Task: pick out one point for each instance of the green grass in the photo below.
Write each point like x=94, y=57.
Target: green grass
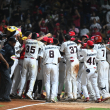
x=98, y=109
x=1, y=105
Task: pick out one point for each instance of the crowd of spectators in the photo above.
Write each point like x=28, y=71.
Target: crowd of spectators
x=84, y=17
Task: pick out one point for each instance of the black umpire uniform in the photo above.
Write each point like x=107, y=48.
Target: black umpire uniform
x=8, y=53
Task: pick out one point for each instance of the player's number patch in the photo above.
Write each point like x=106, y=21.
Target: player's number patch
x=91, y=61
x=73, y=49
x=51, y=54
x=30, y=49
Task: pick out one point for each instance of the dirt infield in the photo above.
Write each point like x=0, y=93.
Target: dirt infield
x=26, y=104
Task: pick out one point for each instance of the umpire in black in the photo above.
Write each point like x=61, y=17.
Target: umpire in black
x=7, y=55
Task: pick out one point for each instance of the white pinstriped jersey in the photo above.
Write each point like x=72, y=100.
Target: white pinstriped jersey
x=89, y=57
x=32, y=47
x=101, y=51
x=50, y=54
x=70, y=49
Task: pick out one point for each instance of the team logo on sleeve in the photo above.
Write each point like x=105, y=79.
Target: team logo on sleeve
x=13, y=57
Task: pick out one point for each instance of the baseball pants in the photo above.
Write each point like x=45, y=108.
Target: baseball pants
x=17, y=77
x=81, y=69
x=51, y=80
x=72, y=69
x=92, y=76
x=13, y=67
x=103, y=72
x=30, y=64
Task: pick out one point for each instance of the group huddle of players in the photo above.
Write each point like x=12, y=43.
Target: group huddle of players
x=79, y=66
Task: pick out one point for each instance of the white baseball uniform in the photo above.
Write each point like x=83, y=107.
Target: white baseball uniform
x=29, y=64
x=108, y=60
x=81, y=69
x=103, y=67
x=17, y=47
x=50, y=56
x=89, y=73
x=72, y=67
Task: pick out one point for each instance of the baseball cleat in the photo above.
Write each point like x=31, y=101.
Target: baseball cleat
x=87, y=99
x=58, y=97
x=53, y=100
x=18, y=97
x=98, y=100
x=69, y=99
x=13, y=96
x=29, y=96
x=106, y=97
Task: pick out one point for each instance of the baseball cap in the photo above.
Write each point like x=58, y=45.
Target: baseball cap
x=50, y=40
x=3, y=21
x=79, y=41
x=43, y=21
x=37, y=34
x=84, y=45
x=45, y=39
x=12, y=39
x=72, y=39
x=57, y=24
x=64, y=31
x=85, y=36
x=108, y=32
x=72, y=33
x=90, y=43
x=92, y=38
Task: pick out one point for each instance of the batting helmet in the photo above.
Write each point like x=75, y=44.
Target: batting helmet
x=97, y=39
x=72, y=33
x=84, y=45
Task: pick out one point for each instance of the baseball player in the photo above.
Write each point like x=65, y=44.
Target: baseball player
x=18, y=70
x=17, y=55
x=108, y=59
x=90, y=67
x=40, y=74
x=51, y=57
x=103, y=67
x=29, y=64
x=72, y=67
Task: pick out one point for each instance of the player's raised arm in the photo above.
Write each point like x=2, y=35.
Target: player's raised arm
x=47, y=35
x=107, y=48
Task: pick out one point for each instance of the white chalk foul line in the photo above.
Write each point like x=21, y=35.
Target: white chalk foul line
x=26, y=106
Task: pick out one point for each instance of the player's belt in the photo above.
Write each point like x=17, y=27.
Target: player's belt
x=102, y=60
x=81, y=62
x=29, y=57
x=51, y=63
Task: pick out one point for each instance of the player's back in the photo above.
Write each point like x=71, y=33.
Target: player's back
x=89, y=58
x=108, y=53
x=70, y=49
x=101, y=51
x=31, y=48
x=51, y=54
